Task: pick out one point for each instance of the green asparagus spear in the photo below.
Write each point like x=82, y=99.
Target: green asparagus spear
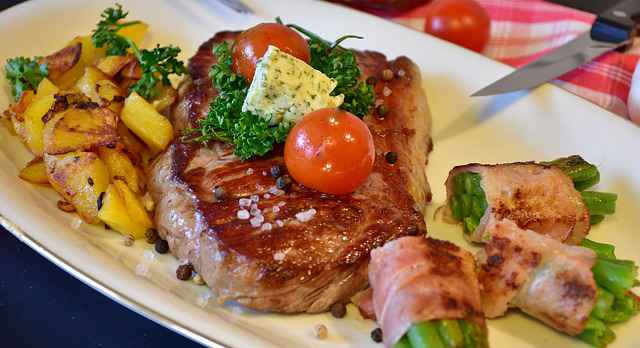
x=604, y=301
x=596, y=333
x=425, y=335
x=603, y=250
x=450, y=333
x=600, y=203
x=595, y=219
x=617, y=276
x=474, y=335
x=582, y=173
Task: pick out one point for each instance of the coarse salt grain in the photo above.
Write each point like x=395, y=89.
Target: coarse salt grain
x=279, y=256
x=275, y=209
x=279, y=223
x=255, y=211
x=264, y=173
x=142, y=269
x=266, y=227
x=386, y=91
x=256, y=221
x=401, y=72
x=243, y=214
x=255, y=198
x=76, y=223
x=281, y=204
x=203, y=299
x=244, y=202
x=266, y=196
x=250, y=171
x=149, y=255
x=305, y=216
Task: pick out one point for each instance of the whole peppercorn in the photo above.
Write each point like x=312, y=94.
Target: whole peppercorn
x=338, y=310
x=184, y=272
x=391, y=157
x=376, y=335
x=219, y=193
x=151, y=235
x=276, y=170
x=283, y=183
x=162, y=247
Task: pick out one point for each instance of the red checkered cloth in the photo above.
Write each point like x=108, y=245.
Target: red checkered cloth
x=523, y=30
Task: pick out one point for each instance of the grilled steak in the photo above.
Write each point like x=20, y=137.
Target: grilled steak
x=301, y=250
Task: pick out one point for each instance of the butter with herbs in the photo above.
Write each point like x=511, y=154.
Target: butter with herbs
x=285, y=88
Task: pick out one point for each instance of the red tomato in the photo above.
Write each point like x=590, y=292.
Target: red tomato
x=330, y=150
x=463, y=22
x=252, y=43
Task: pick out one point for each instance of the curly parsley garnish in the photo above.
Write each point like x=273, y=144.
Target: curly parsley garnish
x=156, y=64
x=106, y=33
x=251, y=134
x=24, y=74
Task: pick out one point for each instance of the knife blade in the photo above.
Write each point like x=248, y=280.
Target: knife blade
x=612, y=29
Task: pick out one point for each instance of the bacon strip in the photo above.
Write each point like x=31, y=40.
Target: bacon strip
x=417, y=279
x=546, y=279
x=534, y=196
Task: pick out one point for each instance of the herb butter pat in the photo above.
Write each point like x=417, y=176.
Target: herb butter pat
x=285, y=88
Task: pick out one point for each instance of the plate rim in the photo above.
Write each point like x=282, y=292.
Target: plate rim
x=108, y=291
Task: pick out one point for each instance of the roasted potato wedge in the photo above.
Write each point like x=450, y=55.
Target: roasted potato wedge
x=111, y=95
x=33, y=123
x=132, y=70
x=111, y=65
x=135, y=32
x=80, y=178
x=121, y=167
x=80, y=129
x=132, y=145
x=15, y=113
x=88, y=55
x=35, y=172
x=135, y=208
x=145, y=122
x=88, y=83
x=113, y=212
x=63, y=60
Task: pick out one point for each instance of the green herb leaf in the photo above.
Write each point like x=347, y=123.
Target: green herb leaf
x=24, y=74
x=251, y=134
x=106, y=33
x=156, y=65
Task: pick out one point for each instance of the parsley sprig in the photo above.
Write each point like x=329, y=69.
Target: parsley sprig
x=106, y=33
x=156, y=64
x=251, y=134
x=24, y=74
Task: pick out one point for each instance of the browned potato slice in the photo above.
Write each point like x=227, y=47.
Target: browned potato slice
x=80, y=178
x=62, y=61
x=80, y=129
x=132, y=145
x=135, y=208
x=132, y=70
x=134, y=32
x=33, y=116
x=88, y=83
x=120, y=167
x=88, y=54
x=111, y=95
x=35, y=172
x=111, y=65
x=114, y=213
x=16, y=113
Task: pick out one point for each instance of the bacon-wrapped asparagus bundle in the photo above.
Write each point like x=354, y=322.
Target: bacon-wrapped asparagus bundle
x=576, y=290
x=426, y=295
x=541, y=197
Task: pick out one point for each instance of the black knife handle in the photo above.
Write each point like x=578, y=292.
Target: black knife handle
x=617, y=23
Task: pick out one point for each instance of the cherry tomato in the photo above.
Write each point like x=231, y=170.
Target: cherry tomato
x=252, y=43
x=463, y=22
x=330, y=150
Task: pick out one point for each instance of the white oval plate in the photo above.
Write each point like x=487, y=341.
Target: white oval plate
x=523, y=126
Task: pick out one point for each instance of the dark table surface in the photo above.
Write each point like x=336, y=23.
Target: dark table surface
x=42, y=306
